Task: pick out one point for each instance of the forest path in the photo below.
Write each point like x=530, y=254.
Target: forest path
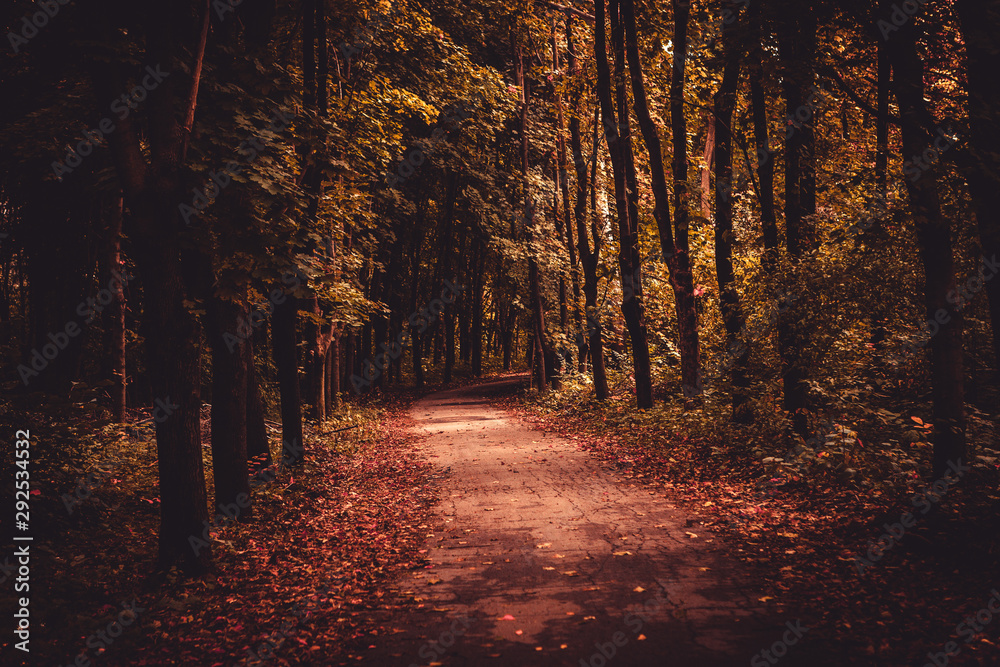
x=530, y=526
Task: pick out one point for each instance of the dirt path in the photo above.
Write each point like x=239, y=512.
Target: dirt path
x=592, y=569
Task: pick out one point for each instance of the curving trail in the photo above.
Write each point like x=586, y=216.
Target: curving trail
x=531, y=526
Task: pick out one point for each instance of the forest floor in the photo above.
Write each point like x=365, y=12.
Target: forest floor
x=480, y=526
x=809, y=535
x=292, y=586
x=541, y=556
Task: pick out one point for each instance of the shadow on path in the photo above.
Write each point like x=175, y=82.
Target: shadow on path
x=594, y=570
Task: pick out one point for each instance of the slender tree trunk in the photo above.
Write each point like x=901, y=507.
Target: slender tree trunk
x=229, y=405
x=592, y=341
x=980, y=25
x=113, y=317
x=578, y=314
x=477, y=309
x=286, y=360
x=316, y=376
x=590, y=272
x=537, y=306
x=673, y=248
x=350, y=358
x=258, y=448
x=619, y=145
x=334, y=377
x=934, y=237
x=797, y=50
x=507, y=336
x=765, y=163
x=706, y=170
x=729, y=300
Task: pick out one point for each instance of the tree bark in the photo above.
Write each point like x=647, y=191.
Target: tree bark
x=620, y=147
x=934, y=237
x=173, y=353
x=258, y=447
x=537, y=306
x=765, y=163
x=980, y=23
x=229, y=404
x=286, y=359
x=592, y=340
x=797, y=51
x=113, y=318
x=729, y=300
x=674, y=248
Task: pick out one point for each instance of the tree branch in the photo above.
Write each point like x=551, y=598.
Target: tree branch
x=569, y=10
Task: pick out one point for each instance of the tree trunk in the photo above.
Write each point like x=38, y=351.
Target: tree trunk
x=258, y=447
x=333, y=384
x=284, y=339
x=980, y=23
x=619, y=145
x=113, y=318
x=537, y=306
x=152, y=188
x=479, y=267
x=229, y=404
x=673, y=248
x=729, y=300
x=578, y=314
x=934, y=237
x=765, y=163
x=706, y=170
x=797, y=50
